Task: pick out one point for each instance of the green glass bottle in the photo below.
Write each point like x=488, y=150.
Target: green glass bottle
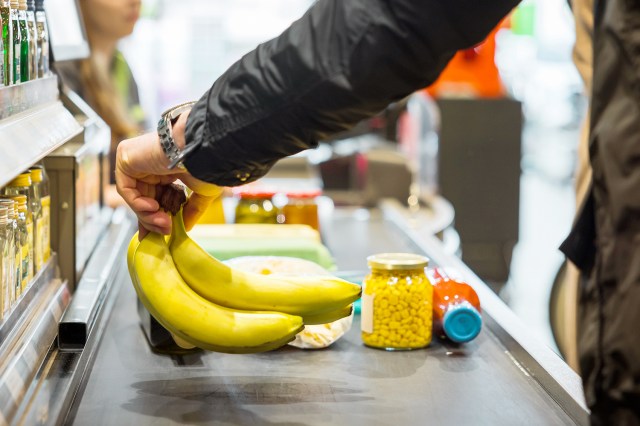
x=33, y=39
x=1, y=58
x=24, y=40
x=15, y=27
x=7, y=37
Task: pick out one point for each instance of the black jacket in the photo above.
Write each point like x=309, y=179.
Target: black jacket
x=343, y=61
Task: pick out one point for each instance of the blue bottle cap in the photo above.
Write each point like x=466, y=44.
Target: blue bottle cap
x=462, y=322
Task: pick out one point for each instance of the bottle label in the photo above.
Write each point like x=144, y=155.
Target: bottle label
x=366, y=313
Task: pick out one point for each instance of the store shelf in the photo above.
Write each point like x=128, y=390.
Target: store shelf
x=27, y=333
x=21, y=311
x=25, y=96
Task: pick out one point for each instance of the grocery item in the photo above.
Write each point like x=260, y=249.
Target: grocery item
x=221, y=284
x=396, y=310
x=193, y=319
x=15, y=271
x=35, y=206
x=301, y=208
x=456, y=308
x=256, y=206
x=320, y=331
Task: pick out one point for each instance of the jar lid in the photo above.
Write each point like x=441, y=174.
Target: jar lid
x=307, y=193
x=395, y=261
x=255, y=193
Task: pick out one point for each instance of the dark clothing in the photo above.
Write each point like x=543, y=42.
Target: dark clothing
x=609, y=307
x=343, y=61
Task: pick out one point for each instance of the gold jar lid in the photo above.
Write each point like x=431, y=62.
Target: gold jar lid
x=397, y=261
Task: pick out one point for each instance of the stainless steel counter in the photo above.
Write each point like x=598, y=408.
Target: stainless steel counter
x=483, y=382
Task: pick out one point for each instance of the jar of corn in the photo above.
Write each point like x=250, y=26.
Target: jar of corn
x=396, y=302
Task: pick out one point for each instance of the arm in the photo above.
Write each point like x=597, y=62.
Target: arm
x=343, y=61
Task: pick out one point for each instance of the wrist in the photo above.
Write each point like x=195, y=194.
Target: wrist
x=179, y=130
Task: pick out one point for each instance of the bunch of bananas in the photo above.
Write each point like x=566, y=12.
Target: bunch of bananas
x=207, y=304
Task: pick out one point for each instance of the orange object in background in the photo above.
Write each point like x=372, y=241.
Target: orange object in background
x=301, y=208
x=472, y=73
x=456, y=308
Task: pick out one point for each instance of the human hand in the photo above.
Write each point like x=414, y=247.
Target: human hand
x=141, y=171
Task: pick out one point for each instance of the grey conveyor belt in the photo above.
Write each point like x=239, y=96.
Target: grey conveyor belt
x=475, y=384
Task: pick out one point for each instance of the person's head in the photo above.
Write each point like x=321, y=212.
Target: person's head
x=107, y=21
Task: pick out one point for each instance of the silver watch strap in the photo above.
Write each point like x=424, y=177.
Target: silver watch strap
x=165, y=135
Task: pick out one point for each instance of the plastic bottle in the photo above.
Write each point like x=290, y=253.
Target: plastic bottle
x=456, y=308
x=25, y=230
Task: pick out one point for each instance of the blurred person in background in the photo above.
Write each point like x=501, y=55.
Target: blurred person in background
x=344, y=61
x=104, y=79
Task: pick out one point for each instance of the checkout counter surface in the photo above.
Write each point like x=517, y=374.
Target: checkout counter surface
x=478, y=383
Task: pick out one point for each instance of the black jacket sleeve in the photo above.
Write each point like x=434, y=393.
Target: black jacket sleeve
x=343, y=61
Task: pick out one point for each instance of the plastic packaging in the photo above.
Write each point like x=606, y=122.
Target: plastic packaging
x=456, y=308
x=396, y=311
x=315, y=336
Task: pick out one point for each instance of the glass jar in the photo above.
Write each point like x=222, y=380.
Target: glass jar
x=16, y=256
x=396, y=311
x=256, y=207
x=301, y=208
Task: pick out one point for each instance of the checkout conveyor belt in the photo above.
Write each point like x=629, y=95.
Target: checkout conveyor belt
x=498, y=379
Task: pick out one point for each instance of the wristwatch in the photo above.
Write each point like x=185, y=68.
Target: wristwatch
x=165, y=133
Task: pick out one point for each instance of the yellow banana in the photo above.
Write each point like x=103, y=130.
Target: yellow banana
x=328, y=317
x=193, y=319
x=226, y=286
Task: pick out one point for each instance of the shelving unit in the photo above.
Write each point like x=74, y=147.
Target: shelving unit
x=33, y=123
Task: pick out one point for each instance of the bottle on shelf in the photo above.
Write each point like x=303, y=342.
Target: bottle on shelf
x=15, y=271
x=33, y=38
x=24, y=41
x=17, y=41
x=456, y=308
x=45, y=202
x=1, y=53
x=7, y=42
x=42, y=41
x=35, y=206
x=25, y=231
x=6, y=248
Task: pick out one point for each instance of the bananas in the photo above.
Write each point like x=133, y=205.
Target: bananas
x=204, y=303
x=193, y=319
x=307, y=296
